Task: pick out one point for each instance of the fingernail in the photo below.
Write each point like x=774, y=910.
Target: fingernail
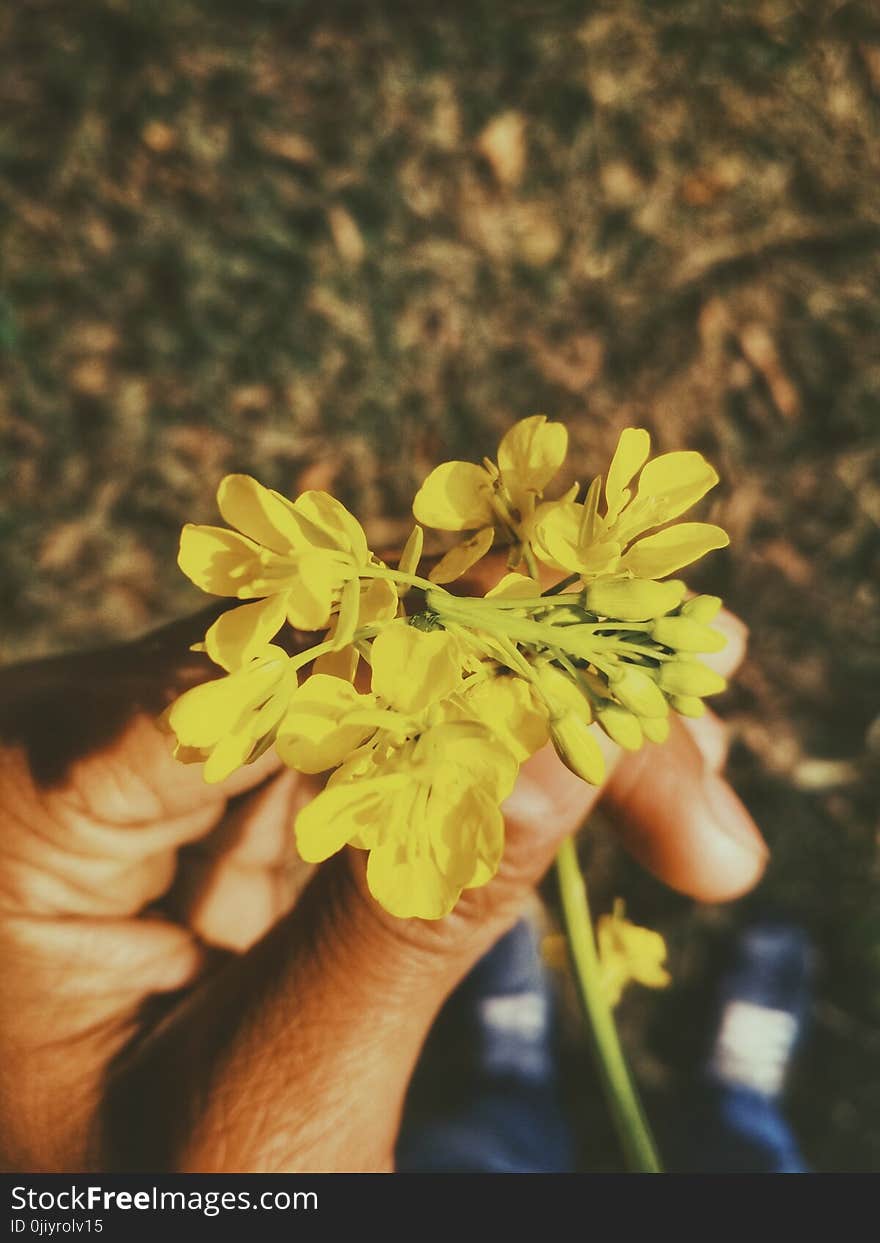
x=731, y=816
x=731, y=624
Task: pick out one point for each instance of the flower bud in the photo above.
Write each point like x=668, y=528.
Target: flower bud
x=688, y=705
x=655, y=728
x=702, y=608
x=577, y=747
x=562, y=694
x=684, y=634
x=621, y=726
x=633, y=599
x=690, y=677
x=637, y=691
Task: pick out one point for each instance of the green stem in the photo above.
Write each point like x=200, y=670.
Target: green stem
x=623, y=1101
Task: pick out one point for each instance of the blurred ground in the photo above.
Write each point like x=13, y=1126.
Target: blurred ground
x=330, y=250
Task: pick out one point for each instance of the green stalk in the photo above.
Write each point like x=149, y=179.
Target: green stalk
x=622, y=1097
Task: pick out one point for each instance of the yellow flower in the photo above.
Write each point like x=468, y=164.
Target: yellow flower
x=639, y=497
x=233, y=720
x=328, y=720
x=629, y=954
x=324, y=724
x=292, y=558
x=428, y=814
x=424, y=760
x=460, y=496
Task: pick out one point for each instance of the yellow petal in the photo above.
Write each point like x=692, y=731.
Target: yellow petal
x=630, y=456
x=200, y=717
x=508, y=707
x=328, y=524
x=340, y=664
x=513, y=585
x=229, y=754
x=465, y=753
x=378, y=602
x=219, y=561
x=667, y=487
x=259, y=513
x=312, y=586
x=677, y=481
x=412, y=669
x=340, y=813
x=460, y=558
x=241, y=633
x=467, y=836
x=409, y=885
x=530, y=455
x=455, y=497
x=412, y=553
x=556, y=535
x=660, y=554
x=314, y=734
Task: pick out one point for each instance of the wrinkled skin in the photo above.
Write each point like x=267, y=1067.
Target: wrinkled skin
x=174, y=995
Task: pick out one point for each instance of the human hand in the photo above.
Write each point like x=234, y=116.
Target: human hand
x=174, y=995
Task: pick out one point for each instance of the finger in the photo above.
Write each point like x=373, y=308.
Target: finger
x=235, y=884
x=711, y=737
x=728, y=660
x=683, y=822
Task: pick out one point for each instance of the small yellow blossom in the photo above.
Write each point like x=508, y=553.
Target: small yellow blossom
x=639, y=496
x=460, y=496
x=428, y=814
x=292, y=558
x=629, y=954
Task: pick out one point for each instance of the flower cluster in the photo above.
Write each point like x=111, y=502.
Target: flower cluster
x=458, y=690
